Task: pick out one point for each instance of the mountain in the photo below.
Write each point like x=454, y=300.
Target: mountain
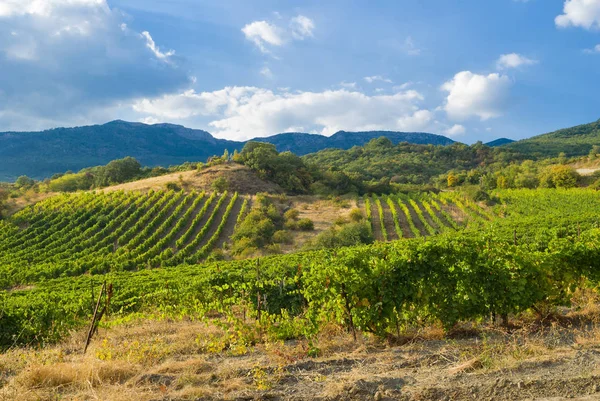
x=499, y=142
x=575, y=141
x=42, y=154
x=303, y=144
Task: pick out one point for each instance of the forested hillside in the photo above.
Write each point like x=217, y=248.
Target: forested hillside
x=575, y=141
x=42, y=154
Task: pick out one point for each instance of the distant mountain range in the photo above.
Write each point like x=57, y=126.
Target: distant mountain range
x=42, y=154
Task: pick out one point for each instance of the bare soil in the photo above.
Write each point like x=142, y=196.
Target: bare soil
x=377, y=233
x=388, y=221
x=168, y=360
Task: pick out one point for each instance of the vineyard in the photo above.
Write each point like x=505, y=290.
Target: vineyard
x=394, y=217
x=453, y=260
x=70, y=235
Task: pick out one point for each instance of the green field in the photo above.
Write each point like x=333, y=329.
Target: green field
x=466, y=261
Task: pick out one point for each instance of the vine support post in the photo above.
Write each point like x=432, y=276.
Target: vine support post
x=94, y=318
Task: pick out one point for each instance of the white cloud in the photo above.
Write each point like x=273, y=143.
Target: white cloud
x=376, y=78
x=580, y=13
x=66, y=61
x=265, y=34
x=593, y=50
x=261, y=33
x=476, y=95
x=246, y=112
x=155, y=49
x=513, y=60
x=302, y=27
x=455, y=130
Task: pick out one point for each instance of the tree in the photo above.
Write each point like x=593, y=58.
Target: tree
x=559, y=176
x=594, y=152
x=118, y=171
x=24, y=182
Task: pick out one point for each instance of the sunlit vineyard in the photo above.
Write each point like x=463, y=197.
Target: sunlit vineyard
x=420, y=215
x=69, y=235
x=449, y=258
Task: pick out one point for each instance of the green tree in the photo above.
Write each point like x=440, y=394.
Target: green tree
x=24, y=182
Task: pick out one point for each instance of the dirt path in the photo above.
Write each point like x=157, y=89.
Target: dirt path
x=388, y=221
x=416, y=220
x=377, y=233
x=428, y=218
x=230, y=224
x=403, y=221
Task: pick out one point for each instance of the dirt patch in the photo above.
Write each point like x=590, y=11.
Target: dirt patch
x=323, y=214
x=377, y=232
x=388, y=222
x=168, y=360
x=240, y=179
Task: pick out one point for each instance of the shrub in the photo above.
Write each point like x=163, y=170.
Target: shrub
x=291, y=214
x=220, y=184
x=172, y=186
x=283, y=237
x=356, y=215
x=306, y=225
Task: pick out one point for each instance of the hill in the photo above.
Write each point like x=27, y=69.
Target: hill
x=381, y=160
x=499, y=142
x=303, y=144
x=41, y=154
x=575, y=141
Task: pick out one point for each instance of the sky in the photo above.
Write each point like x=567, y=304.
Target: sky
x=472, y=70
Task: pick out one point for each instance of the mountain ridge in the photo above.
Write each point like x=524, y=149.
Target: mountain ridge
x=41, y=154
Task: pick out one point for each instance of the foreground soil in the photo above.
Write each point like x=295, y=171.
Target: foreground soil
x=172, y=360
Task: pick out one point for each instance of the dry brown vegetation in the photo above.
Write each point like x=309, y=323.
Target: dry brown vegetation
x=240, y=178
x=538, y=359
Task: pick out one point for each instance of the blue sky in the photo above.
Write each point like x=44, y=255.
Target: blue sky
x=469, y=69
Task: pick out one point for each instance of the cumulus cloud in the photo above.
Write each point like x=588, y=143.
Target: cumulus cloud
x=476, y=95
x=302, y=27
x=513, y=60
x=246, y=112
x=262, y=33
x=580, y=13
x=455, y=130
x=65, y=62
x=265, y=34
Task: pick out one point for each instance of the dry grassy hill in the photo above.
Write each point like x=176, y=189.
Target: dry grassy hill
x=240, y=178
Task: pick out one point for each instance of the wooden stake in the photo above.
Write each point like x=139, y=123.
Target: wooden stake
x=93, y=324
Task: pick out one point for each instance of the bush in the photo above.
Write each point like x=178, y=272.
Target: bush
x=172, y=186
x=283, y=237
x=348, y=235
x=220, y=184
x=356, y=215
x=306, y=225
x=291, y=214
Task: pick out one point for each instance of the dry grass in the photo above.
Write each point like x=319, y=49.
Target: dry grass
x=323, y=214
x=240, y=178
x=155, y=360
